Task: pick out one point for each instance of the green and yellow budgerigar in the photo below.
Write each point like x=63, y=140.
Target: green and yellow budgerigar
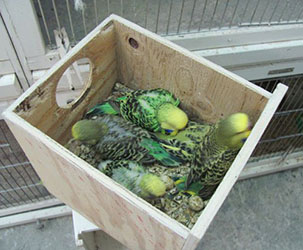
x=155, y=110
x=134, y=177
x=193, y=189
x=184, y=144
x=217, y=151
x=117, y=139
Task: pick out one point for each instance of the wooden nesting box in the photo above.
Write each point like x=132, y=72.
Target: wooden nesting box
x=122, y=51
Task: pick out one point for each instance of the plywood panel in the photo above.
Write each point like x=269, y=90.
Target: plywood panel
x=40, y=107
x=132, y=221
x=203, y=89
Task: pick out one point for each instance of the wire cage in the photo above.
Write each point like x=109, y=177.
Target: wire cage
x=165, y=17
x=19, y=184
x=284, y=134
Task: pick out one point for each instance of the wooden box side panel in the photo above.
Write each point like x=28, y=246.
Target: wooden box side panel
x=148, y=63
x=40, y=108
x=233, y=173
x=94, y=195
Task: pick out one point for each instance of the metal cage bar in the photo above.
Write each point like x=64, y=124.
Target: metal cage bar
x=286, y=128
x=44, y=22
x=264, y=11
x=56, y=15
x=70, y=21
x=213, y=15
x=223, y=15
x=180, y=17
x=169, y=16
x=254, y=12
x=202, y=16
x=274, y=11
x=19, y=183
x=158, y=14
x=191, y=16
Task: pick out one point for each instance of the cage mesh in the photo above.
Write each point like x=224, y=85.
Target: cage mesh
x=19, y=183
x=165, y=17
x=284, y=134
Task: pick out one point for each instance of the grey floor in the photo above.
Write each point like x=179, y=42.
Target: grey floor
x=260, y=213
x=56, y=234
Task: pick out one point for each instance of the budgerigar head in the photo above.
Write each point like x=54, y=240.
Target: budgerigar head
x=234, y=130
x=171, y=118
x=151, y=186
x=88, y=131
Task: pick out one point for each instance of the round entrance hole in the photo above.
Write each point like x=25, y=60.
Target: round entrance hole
x=73, y=83
x=133, y=43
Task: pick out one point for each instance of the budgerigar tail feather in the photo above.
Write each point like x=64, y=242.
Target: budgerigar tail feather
x=207, y=191
x=147, y=160
x=107, y=108
x=193, y=189
x=189, y=179
x=101, y=109
x=155, y=150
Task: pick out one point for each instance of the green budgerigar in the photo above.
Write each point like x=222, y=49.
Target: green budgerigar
x=117, y=139
x=193, y=189
x=184, y=144
x=134, y=177
x=155, y=110
x=217, y=151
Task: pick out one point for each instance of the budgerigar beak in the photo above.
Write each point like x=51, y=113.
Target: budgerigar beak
x=174, y=132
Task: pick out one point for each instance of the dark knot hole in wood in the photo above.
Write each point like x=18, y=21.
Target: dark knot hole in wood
x=133, y=43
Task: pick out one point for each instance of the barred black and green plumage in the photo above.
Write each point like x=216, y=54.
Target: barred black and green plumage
x=217, y=151
x=193, y=189
x=117, y=139
x=155, y=110
x=184, y=144
x=134, y=177
x=111, y=107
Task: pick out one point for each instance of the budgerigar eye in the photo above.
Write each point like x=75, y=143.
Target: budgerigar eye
x=168, y=131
